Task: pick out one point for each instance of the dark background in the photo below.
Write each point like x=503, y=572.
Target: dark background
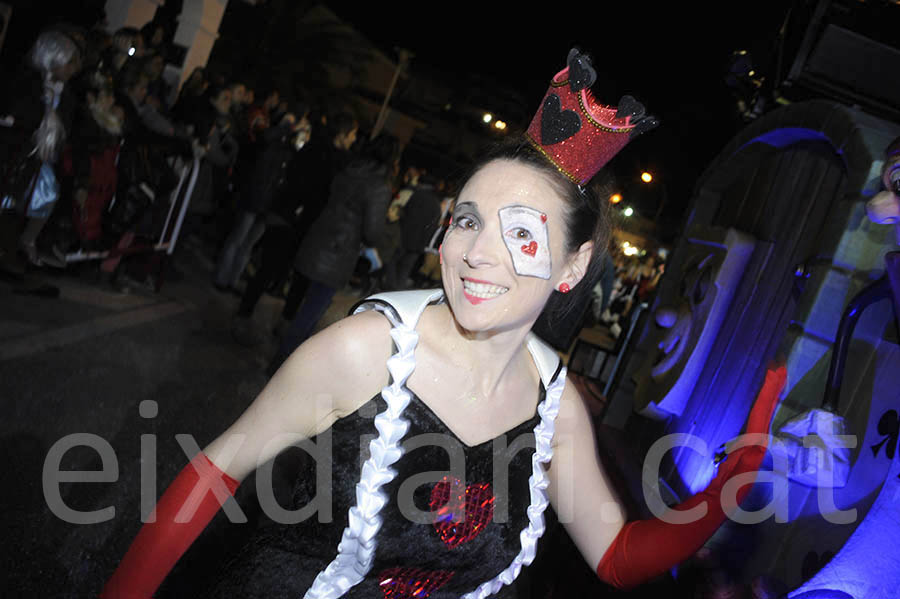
x=677, y=58
x=674, y=57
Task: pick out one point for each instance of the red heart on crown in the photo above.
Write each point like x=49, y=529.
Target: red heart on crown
x=461, y=514
x=543, y=218
x=530, y=248
x=411, y=583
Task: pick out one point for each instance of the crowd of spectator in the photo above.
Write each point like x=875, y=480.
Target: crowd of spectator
x=626, y=281
x=290, y=198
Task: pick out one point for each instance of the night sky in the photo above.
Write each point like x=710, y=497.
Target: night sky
x=671, y=56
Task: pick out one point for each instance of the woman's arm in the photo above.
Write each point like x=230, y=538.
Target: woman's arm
x=328, y=377
x=627, y=554
x=580, y=491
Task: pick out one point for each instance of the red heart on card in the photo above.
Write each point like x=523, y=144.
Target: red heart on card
x=461, y=514
x=411, y=583
x=530, y=248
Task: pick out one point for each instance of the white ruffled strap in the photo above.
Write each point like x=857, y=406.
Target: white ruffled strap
x=538, y=482
x=356, y=551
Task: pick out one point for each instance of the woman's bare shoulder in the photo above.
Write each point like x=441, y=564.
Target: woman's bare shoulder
x=574, y=415
x=345, y=361
x=328, y=377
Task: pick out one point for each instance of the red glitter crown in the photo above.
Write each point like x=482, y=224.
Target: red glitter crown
x=574, y=131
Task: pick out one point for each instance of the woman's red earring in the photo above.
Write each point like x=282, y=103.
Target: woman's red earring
x=564, y=288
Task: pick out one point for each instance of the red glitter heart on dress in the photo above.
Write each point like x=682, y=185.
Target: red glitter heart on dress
x=411, y=583
x=530, y=249
x=461, y=514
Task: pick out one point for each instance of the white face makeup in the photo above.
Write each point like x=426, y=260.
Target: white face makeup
x=497, y=269
x=525, y=234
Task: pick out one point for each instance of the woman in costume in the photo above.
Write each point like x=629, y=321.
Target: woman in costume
x=41, y=108
x=473, y=431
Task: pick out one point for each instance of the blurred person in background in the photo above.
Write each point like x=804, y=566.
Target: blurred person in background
x=268, y=177
x=40, y=107
x=298, y=205
x=352, y=218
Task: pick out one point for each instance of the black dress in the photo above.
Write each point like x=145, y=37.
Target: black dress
x=429, y=556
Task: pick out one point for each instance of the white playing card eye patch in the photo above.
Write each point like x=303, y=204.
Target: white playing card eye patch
x=526, y=237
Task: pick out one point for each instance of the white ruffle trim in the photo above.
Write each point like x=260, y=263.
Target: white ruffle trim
x=357, y=547
x=538, y=482
x=356, y=550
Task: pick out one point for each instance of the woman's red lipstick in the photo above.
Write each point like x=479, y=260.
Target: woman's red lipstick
x=472, y=299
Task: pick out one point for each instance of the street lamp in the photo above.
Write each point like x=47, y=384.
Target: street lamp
x=628, y=211
x=500, y=125
x=615, y=198
x=488, y=117
x=646, y=177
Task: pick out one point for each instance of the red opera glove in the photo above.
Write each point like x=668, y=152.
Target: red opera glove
x=645, y=549
x=181, y=514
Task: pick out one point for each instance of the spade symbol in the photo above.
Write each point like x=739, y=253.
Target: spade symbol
x=889, y=426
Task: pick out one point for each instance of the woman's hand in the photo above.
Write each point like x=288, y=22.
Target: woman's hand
x=644, y=549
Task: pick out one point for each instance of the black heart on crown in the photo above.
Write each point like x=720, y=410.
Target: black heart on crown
x=581, y=72
x=556, y=124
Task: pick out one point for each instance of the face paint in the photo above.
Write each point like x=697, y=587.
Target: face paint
x=525, y=234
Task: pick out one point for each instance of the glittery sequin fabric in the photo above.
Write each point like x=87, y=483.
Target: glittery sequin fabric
x=461, y=512
x=411, y=583
x=577, y=133
x=282, y=560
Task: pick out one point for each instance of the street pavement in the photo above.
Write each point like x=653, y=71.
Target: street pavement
x=77, y=367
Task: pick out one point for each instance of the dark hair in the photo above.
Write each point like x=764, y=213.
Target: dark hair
x=587, y=217
x=342, y=123
x=301, y=109
x=149, y=30
x=214, y=91
x=264, y=90
x=131, y=75
x=384, y=149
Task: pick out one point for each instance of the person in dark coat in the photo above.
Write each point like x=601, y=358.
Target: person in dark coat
x=421, y=218
x=299, y=203
x=267, y=177
x=314, y=170
x=352, y=218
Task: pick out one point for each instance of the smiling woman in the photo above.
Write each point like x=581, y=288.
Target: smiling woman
x=476, y=432
x=509, y=241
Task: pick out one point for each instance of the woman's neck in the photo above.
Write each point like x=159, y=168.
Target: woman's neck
x=488, y=357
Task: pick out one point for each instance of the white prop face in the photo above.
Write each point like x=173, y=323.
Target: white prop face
x=689, y=323
x=884, y=207
x=525, y=234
